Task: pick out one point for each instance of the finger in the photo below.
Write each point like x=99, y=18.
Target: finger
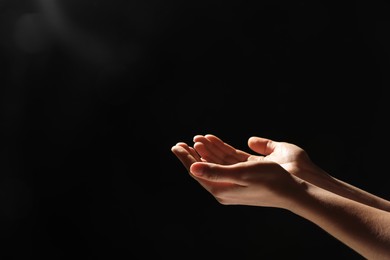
x=230, y=152
x=208, y=150
x=190, y=150
x=214, y=150
x=219, y=173
x=214, y=187
x=208, y=153
x=262, y=145
x=184, y=155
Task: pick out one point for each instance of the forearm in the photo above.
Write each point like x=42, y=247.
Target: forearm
x=349, y=191
x=320, y=178
x=363, y=228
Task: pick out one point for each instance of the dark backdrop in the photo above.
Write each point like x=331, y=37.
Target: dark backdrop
x=95, y=93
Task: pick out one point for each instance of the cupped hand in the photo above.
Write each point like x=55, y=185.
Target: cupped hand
x=252, y=182
x=236, y=177
x=212, y=149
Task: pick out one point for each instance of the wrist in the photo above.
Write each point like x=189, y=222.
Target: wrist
x=294, y=194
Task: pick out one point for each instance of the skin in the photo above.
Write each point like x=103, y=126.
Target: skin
x=282, y=175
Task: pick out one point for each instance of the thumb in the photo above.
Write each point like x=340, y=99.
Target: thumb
x=261, y=145
x=216, y=172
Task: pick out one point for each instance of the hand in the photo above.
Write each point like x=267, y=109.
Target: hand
x=236, y=177
x=291, y=157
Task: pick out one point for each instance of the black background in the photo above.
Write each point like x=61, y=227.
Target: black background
x=95, y=93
